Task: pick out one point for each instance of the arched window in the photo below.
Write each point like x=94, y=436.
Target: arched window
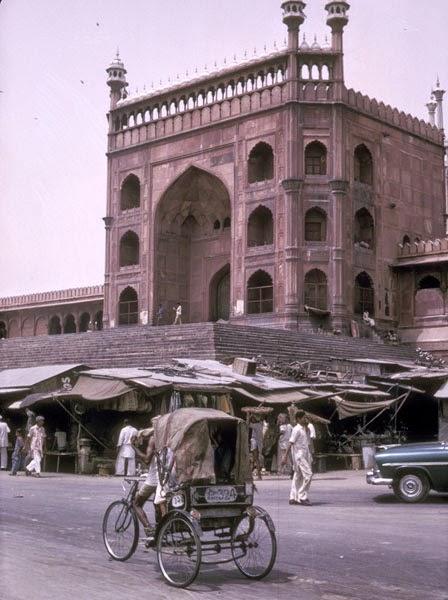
x=364, y=295
x=69, y=324
x=363, y=165
x=364, y=233
x=260, y=296
x=315, y=289
x=128, y=307
x=406, y=240
x=130, y=193
x=315, y=159
x=428, y=283
x=217, y=225
x=54, y=326
x=315, y=225
x=261, y=163
x=3, y=330
x=226, y=223
x=260, y=227
x=129, y=249
x=84, y=322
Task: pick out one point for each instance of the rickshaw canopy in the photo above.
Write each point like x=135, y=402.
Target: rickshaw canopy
x=187, y=432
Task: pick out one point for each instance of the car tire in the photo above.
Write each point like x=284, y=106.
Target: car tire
x=411, y=486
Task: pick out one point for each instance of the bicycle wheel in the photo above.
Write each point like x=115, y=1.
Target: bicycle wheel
x=254, y=546
x=178, y=551
x=120, y=530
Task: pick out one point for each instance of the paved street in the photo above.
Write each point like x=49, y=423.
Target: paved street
x=355, y=542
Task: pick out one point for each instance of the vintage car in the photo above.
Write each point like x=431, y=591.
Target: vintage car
x=412, y=470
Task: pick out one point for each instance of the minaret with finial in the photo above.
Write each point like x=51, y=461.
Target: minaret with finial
x=337, y=19
x=293, y=17
x=431, y=106
x=438, y=94
x=116, y=80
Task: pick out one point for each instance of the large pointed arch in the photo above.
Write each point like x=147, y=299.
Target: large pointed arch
x=186, y=247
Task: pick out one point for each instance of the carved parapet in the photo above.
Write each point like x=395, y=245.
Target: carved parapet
x=338, y=186
x=292, y=185
x=392, y=116
x=94, y=292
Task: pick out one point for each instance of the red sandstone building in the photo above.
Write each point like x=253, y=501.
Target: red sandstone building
x=266, y=193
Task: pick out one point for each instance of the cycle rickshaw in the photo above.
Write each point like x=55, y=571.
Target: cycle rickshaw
x=210, y=516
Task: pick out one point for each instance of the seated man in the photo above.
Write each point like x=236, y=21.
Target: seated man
x=150, y=486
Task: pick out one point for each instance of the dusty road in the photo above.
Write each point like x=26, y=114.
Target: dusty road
x=356, y=542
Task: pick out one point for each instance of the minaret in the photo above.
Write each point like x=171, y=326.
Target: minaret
x=438, y=97
x=116, y=80
x=293, y=17
x=337, y=19
x=431, y=106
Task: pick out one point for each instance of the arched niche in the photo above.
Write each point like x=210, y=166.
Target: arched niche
x=261, y=163
x=128, y=307
x=260, y=227
x=260, y=293
x=130, y=193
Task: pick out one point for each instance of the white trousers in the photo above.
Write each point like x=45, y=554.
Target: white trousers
x=120, y=465
x=34, y=465
x=3, y=457
x=301, y=480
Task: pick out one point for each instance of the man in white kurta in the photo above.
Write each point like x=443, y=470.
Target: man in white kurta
x=36, y=444
x=301, y=461
x=125, y=464
x=4, y=430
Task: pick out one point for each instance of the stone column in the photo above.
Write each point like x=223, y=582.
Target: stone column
x=106, y=303
x=338, y=188
x=293, y=188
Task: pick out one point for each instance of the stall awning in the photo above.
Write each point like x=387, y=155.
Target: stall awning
x=31, y=376
x=96, y=388
x=348, y=408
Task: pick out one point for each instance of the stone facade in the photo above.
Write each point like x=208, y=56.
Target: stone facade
x=265, y=193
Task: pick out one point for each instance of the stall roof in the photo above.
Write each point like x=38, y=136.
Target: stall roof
x=30, y=376
x=442, y=392
x=95, y=389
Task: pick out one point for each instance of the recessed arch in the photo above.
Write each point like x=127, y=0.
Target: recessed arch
x=84, y=322
x=129, y=249
x=406, y=240
x=128, y=307
x=130, y=193
x=54, y=325
x=186, y=245
x=260, y=227
x=260, y=293
x=363, y=165
x=364, y=229
x=69, y=324
x=315, y=159
x=260, y=163
x=364, y=300
x=316, y=290
x=98, y=322
x=219, y=294
x=315, y=225
x=28, y=327
x=429, y=282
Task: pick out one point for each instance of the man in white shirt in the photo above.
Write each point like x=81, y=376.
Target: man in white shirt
x=301, y=461
x=4, y=430
x=36, y=444
x=125, y=464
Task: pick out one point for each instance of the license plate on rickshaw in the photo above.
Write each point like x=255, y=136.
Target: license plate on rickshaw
x=218, y=494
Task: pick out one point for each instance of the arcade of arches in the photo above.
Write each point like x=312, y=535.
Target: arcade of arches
x=192, y=250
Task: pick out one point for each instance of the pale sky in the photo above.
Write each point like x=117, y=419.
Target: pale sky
x=54, y=100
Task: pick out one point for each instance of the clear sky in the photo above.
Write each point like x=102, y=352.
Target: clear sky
x=54, y=99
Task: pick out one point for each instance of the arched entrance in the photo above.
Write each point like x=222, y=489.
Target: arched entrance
x=220, y=295
x=188, y=246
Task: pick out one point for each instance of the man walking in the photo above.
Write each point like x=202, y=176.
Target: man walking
x=301, y=461
x=125, y=464
x=36, y=443
x=4, y=430
x=178, y=318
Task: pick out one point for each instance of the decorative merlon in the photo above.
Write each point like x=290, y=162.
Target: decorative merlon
x=94, y=292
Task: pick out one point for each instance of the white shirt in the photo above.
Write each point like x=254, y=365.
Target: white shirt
x=4, y=430
x=311, y=431
x=257, y=435
x=124, y=441
x=285, y=436
x=300, y=444
x=179, y=311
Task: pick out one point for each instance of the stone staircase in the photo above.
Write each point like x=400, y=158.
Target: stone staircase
x=141, y=346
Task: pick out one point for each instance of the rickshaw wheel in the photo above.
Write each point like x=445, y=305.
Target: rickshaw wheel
x=254, y=546
x=178, y=551
x=120, y=531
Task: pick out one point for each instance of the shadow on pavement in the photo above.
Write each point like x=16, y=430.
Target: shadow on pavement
x=391, y=499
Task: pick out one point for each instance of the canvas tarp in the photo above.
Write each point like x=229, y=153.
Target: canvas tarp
x=348, y=408
x=31, y=376
x=96, y=388
x=186, y=432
